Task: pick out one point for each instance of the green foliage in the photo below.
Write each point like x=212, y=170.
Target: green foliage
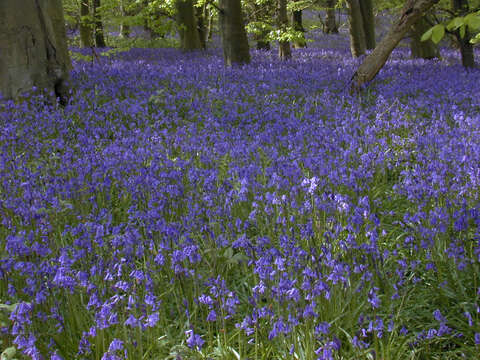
x=469, y=22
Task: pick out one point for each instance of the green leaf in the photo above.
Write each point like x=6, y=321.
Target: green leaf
x=8, y=353
x=455, y=23
x=228, y=253
x=462, y=31
x=427, y=35
x=438, y=31
x=476, y=39
x=472, y=21
x=8, y=308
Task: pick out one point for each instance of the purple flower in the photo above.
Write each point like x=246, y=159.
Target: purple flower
x=115, y=345
x=152, y=319
x=194, y=340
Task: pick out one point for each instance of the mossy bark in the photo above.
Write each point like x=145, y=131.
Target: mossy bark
x=86, y=29
x=33, y=47
x=298, y=26
x=99, y=35
x=234, y=36
x=356, y=28
x=422, y=49
x=461, y=8
x=368, y=20
x=284, y=50
x=330, y=21
x=187, y=25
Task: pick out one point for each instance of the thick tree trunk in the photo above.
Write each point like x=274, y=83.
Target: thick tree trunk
x=422, y=49
x=234, y=37
x=330, y=21
x=411, y=12
x=33, y=47
x=368, y=20
x=357, y=32
x=284, y=51
x=99, y=36
x=461, y=8
x=201, y=14
x=86, y=33
x=298, y=26
x=187, y=26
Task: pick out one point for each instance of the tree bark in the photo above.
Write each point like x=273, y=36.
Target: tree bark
x=187, y=26
x=99, y=36
x=357, y=32
x=330, y=21
x=201, y=14
x=461, y=8
x=124, y=28
x=422, y=49
x=33, y=47
x=284, y=51
x=85, y=25
x=234, y=36
x=298, y=26
x=411, y=12
x=368, y=20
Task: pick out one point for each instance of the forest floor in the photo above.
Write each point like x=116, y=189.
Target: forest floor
x=179, y=209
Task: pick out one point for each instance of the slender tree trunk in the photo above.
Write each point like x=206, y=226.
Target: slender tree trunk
x=86, y=33
x=461, y=8
x=124, y=28
x=330, y=21
x=284, y=51
x=368, y=20
x=99, y=36
x=298, y=26
x=146, y=25
x=209, y=26
x=234, y=36
x=422, y=49
x=187, y=26
x=357, y=32
x=411, y=12
x=33, y=47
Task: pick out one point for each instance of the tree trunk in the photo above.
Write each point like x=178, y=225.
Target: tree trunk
x=330, y=21
x=368, y=20
x=262, y=43
x=234, y=37
x=85, y=25
x=187, y=26
x=261, y=35
x=99, y=36
x=124, y=28
x=33, y=47
x=201, y=14
x=209, y=27
x=411, y=12
x=298, y=26
x=422, y=49
x=357, y=32
x=284, y=51
x=146, y=24
x=461, y=8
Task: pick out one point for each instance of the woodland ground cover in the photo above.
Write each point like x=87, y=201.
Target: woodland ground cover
x=179, y=209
